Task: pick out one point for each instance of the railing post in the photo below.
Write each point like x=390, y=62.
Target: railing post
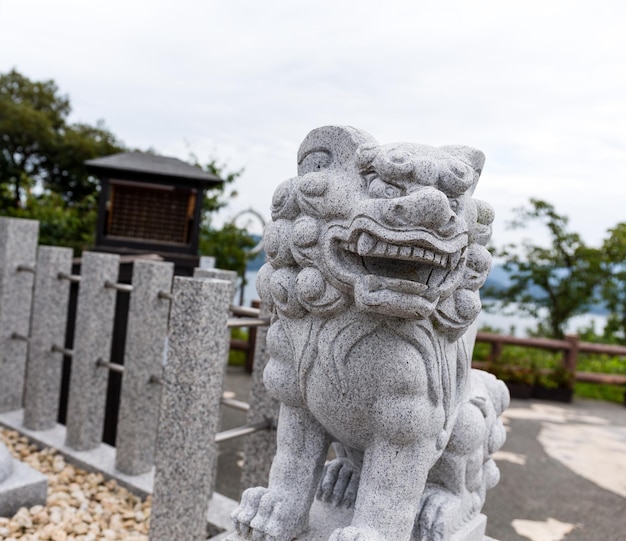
x=143, y=359
x=570, y=358
x=496, y=351
x=189, y=410
x=94, y=329
x=230, y=277
x=49, y=319
x=18, y=248
x=260, y=448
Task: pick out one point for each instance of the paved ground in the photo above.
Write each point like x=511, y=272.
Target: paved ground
x=563, y=470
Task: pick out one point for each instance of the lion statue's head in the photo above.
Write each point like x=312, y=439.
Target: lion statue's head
x=384, y=229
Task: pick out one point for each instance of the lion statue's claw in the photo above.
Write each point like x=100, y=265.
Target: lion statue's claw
x=339, y=484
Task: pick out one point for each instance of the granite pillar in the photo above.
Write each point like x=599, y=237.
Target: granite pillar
x=18, y=247
x=94, y=328
x=231, y=277
x=188, y=418
x=49, y=319
x=143, y=359
x=260, y=447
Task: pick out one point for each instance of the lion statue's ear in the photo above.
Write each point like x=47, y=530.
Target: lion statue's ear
x=330, y=146
x=470, y=156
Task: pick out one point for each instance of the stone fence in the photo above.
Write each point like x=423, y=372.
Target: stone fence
x=177, y=341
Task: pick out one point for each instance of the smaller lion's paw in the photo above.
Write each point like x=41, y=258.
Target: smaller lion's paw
x=339, y=484
x=264, y=515
x=353, y=533
x=440, y=513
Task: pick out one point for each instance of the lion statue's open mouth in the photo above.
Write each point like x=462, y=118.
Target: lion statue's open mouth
x=407, y=272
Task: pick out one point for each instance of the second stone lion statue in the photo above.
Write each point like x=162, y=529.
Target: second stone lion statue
x=374, y=260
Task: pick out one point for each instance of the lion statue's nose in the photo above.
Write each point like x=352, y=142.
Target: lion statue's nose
x=426, y=207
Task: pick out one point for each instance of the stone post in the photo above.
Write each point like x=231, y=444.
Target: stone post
x=231, y=277
x=189, y=411
x=143, y=360
x=94, y=329
x=18, y=247
x=49, y=319
x=260, y=447
x=20, y=485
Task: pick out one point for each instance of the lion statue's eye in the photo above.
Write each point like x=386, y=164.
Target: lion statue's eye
x=382, y=190
x=314, y=161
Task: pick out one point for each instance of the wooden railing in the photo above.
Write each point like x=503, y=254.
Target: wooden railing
x=571, y=347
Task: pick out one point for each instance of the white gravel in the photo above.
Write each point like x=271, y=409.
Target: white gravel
x=81, y=506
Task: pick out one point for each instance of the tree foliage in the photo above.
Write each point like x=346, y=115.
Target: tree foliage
x=552, y=283
x=43, y=175
x=229, y=245
x=60, y=224
x=613, y=288
x=42, y=155
x=41, y=149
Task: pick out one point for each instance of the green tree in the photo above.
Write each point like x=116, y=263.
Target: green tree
x=60, y=224
x=614, y=283
x=552, y=283
x=42, y=155
x=31, y=116
x=229, y=245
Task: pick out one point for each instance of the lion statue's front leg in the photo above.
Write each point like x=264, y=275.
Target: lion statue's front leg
x=280, y=512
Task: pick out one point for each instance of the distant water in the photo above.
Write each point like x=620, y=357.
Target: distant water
x=508, y=324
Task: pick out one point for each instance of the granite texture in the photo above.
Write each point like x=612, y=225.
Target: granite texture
x=231, y=277
x=6, y=462
x=92, y=341
x=102, y=460
x=143, y=357
x=260, y=447
x=192, y=391
x=324, y=519
x=375, y=256
x=48, y=323
x=25, y=487
x=18, y=246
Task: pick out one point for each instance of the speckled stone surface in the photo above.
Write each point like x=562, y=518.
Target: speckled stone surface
x=92, y=341
x=375, y=255
x=25, y=487
x=231, y=277
x=324, y=519
x=260, y=447
x=18, y=246
x=143, y=358
x=217, y=274
x=192, y=390
x=6, y=462
x=49, y=319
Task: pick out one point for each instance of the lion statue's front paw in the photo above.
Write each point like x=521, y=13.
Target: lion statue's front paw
x=440, y=516
x=264, y=515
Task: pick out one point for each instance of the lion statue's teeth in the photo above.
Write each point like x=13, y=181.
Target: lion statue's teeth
x=365, y=244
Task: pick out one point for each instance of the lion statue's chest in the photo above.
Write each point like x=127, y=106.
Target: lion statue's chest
x=365, y=381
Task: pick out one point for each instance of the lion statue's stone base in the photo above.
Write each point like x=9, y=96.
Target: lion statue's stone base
x=374, y=260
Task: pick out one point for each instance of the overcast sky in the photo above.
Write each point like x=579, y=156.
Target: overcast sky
x=539, y=86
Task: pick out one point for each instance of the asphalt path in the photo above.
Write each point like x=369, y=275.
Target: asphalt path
x=563, y=469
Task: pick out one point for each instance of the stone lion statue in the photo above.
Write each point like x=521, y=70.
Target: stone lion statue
x=374, y=260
